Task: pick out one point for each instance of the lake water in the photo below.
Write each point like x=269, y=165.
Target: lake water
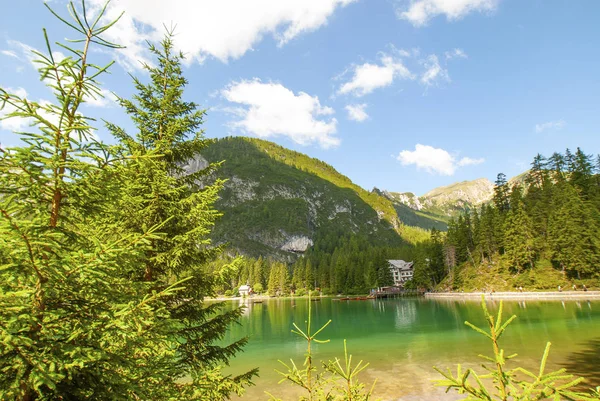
x=403, y=339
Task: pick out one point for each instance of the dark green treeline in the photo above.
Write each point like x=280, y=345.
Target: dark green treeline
x=549, y=221
x=337, y=263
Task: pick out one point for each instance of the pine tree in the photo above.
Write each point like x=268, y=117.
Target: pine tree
x=477, y=235
x=309, y=276
x=73, y=325
x=573, y=233
x=489, y=235
x=501, y=193
x=556, y=163
x=569, y=161
x=436, y=257
x=278, y=280
x=537, y=174
x=258, y=272
x=384, y=276
x=519, y=242
x=299, y=273
x=583, y=169
x=158, y=188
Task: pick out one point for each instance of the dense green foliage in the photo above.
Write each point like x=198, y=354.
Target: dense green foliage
x=336, y=264
x=417, y=218
x=339, y=263
x=543, y=234
x=274, y=193
x=156, y=190
x=101, y=248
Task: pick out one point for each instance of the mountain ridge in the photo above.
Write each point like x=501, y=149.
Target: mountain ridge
x=279, y=202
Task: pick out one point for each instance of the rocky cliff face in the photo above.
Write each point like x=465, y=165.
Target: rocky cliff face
x=447, y=201
x=277, y=202
x=460, y=195
x=406, y=198
x=278, y=210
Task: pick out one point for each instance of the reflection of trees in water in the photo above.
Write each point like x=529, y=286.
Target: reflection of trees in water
x=586, y=363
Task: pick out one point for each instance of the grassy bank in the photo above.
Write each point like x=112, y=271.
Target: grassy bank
x=499, y=277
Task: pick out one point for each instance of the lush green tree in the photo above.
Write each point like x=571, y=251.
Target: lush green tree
x=519, y=242
x=74, y=326
x=435, y=256
x=574, y=233
x=537, y=174
x=501, y=193
x=556, y=164
x=158, y=188
x=583, y=170
x=279, y=282
x=309, y=276
x=569, y=159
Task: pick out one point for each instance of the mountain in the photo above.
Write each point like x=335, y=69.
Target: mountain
x=459, y=196
x=277, y=202
x=444, y=202
x=411, y=212
x=447, y=201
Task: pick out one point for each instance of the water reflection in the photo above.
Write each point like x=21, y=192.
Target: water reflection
x=406, y=314
x=586, y=363
x=400, y=337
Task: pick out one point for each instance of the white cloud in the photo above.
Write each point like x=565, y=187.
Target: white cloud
x=22, y=51
x=105, y=99
x=9, y=53
x=224, y=29
x=434, y=72
x=368, y=77
x=434, y=160
x=356, y=112
x=13, y=123
x=550, y=125
x=419, y=12
x=467, y=161
x=455, y=53
x=271, y=109
x=25, y=52
x=16, y=124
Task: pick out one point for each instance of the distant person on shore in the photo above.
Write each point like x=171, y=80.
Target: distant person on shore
x=584, y=287
x=574, y=287
x=559, y=288
x=520, y=289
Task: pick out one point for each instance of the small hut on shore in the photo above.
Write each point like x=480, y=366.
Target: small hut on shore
x=245, y=290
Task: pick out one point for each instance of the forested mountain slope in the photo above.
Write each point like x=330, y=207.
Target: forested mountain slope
x=278, y=202
x=411, y=212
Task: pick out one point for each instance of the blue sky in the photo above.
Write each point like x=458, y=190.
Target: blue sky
x=401, y=95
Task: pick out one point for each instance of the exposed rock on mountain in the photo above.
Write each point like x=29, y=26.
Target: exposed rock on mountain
x=447, y=201
x=276, y=202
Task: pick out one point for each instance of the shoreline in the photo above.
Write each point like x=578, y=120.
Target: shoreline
x=518, y=296
x=510, y=295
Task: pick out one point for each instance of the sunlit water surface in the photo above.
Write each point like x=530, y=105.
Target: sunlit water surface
x=402, y=339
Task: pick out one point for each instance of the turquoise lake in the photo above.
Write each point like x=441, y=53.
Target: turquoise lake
x=402, y=339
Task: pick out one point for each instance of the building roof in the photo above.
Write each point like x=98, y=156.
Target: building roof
x=244, y=288
x=400, y=264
